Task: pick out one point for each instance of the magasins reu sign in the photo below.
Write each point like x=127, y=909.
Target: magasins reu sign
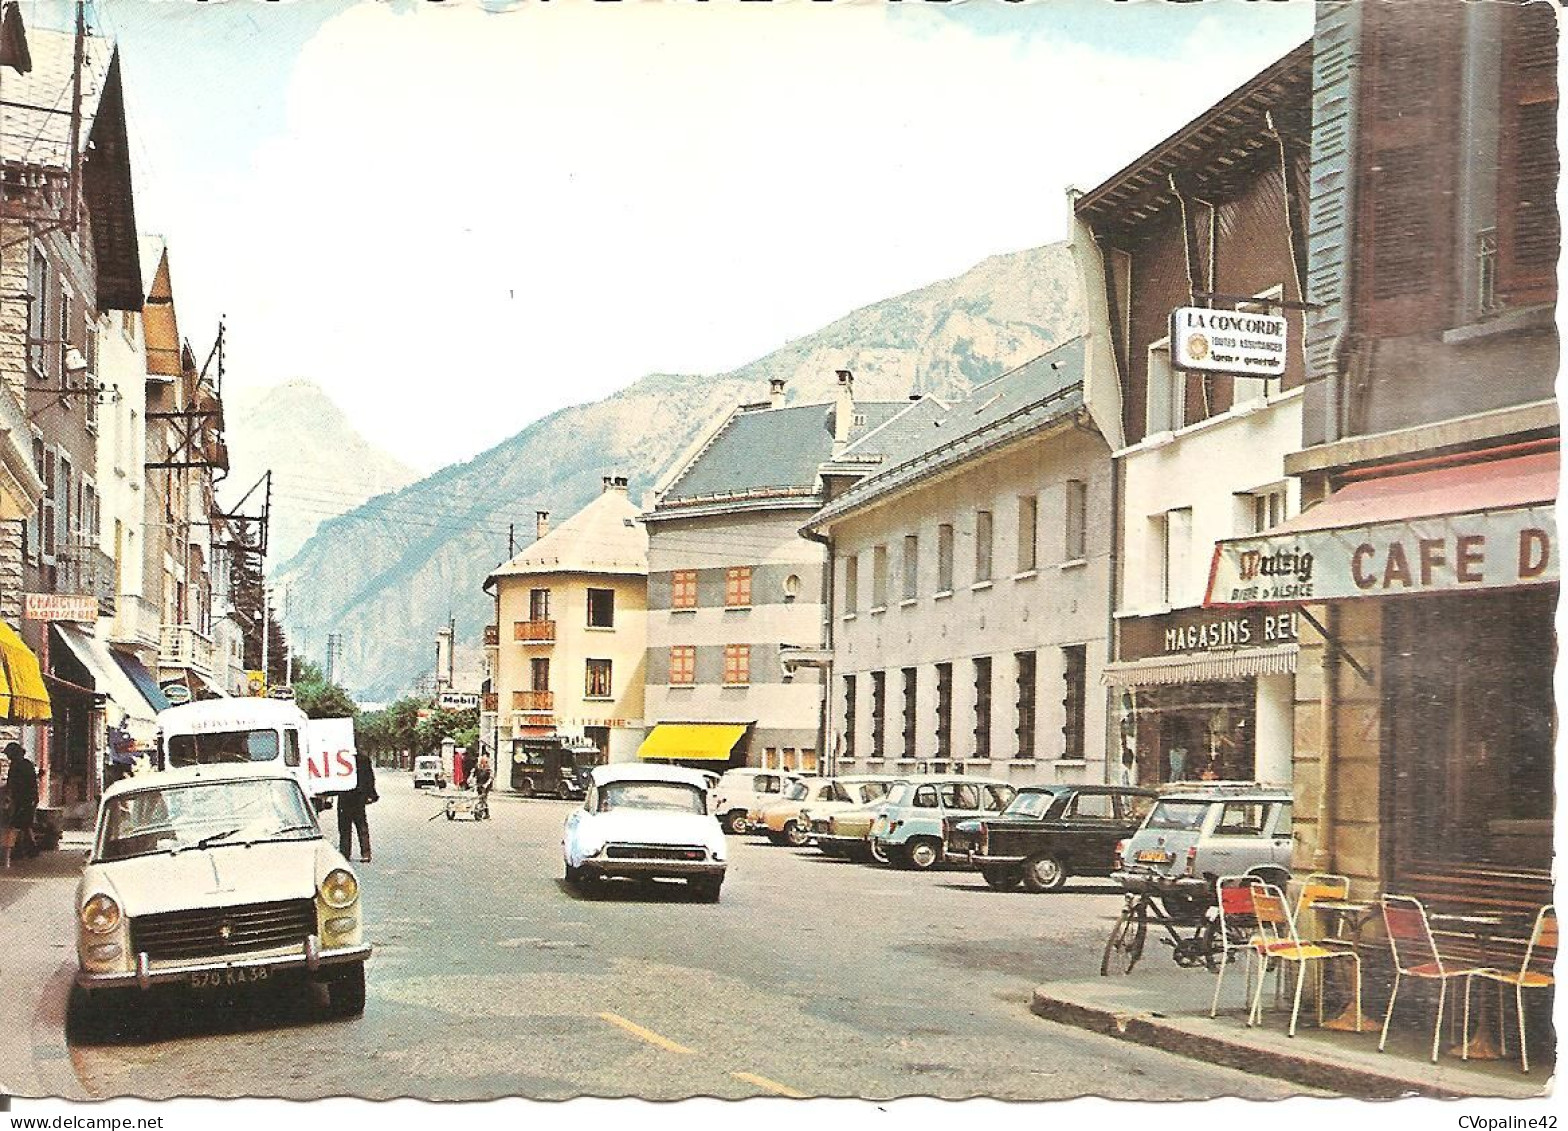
x=1228, y=341
x=1444, y=554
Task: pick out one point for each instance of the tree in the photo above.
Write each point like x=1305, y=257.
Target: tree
x=318, y=698
x=251, y=609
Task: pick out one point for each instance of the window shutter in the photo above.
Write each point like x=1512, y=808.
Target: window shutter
x=1529, y=229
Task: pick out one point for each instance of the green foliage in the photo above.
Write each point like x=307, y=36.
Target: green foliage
x=393, y=728
x=460, y=726
x=318, y=698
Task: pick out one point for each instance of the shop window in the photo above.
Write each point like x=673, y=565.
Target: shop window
x=1074, y=678
x=879, y=577
x=944, y=710
x=683, y=665
x=984, y=532
x=878, y=714
x=597, y=683
x=1025, y=695
x=852, y=584
x=983, y=707
x=601, y=608
x=737, y=665
x=944, y=558
x=1193, y=732
x=911, y=566
x=1076, y=540
x=1028, y=523
x=683, y=589
x=911, y=681
x=737, y=587
x=538, y=604
x=849, y=716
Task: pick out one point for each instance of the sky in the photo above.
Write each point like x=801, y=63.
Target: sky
x=459, y=217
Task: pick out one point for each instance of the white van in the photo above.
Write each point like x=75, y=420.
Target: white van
x=319, y=753
x=741, y=792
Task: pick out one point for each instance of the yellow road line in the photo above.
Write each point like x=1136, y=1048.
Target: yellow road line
x=645, y=1034
x=768, y=1085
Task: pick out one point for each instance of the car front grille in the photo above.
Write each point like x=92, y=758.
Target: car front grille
x=655, y=852
x=221, y=931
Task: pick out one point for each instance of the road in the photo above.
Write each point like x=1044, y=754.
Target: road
x=812, y=977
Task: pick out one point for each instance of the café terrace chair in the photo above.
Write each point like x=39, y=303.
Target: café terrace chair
x=1316, y=887
x=1534, y=973
x=1280, y=941
x=1236, y=915
x=1416, y=956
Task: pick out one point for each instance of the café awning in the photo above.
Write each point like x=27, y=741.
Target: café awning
x=109, y=679
x=700, y=742
x=23, y=697
x=1479, y=524
x=1206, y=667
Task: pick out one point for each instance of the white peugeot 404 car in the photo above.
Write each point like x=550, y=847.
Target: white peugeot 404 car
x=216, y=876
x=645, y=822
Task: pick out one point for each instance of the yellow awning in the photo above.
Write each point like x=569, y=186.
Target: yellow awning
x=704, y=742
x=22, y=694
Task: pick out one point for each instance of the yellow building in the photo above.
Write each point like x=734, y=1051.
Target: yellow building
x=571, y=635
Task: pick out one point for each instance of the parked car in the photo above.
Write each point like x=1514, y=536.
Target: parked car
x=786, y=821
x=1193, y=836
x=1048, y=833
x=215, y=877
x=740, y=791
x=909, y=831
x=644, y=821
x=848, y=831
x=428, y=771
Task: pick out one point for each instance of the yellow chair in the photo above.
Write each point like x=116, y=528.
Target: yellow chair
x=1280, y=941
x=1534, y=973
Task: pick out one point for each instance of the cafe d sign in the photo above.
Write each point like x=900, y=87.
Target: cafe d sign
x=1451, y=553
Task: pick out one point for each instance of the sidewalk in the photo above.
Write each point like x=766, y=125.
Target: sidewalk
x=36, y=971
x=1167, y=1007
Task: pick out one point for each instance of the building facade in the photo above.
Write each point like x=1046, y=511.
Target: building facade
x=568, y=647
x=1208, y=220
x=1426, y=552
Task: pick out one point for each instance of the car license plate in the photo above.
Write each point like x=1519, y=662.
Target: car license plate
x=1154, y=856
x=235, y=976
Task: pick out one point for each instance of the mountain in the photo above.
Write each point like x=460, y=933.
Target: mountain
x=386, y=575
x=321, y=467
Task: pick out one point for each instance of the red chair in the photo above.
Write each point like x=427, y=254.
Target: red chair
x=1534, y=973
x=1416, y=956
x=1237, y=917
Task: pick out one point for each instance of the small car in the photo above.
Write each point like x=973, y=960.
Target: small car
x=909, y=831
x=847, y=832
x=1049, y=833
x=428, y=771
x=214, y=877
x=645, y=821
x=1193, y=836
x=787, y=821
x=741, y=791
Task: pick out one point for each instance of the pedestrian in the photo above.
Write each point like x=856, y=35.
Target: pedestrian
x=351, y=809
x=484, y=776
x=21, y=803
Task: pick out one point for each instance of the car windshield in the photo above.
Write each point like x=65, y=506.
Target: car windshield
x=181, y=817
x=1030, y=803
x=1182, y=816
x=223, y=746
x=428, y=764
x=796, y=791
x=668, y=795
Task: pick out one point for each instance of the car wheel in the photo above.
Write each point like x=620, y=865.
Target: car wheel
x=1002, y=879
x=1044, y=872
x=735, y=821
x=874, y=851
x=707, y=891
x=923, y=854
x=346, y=991
x=574, y=876
x=795, y=835
x=777, y=838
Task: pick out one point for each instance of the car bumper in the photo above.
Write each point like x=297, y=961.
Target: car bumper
x=650, y=869
x=1146, y=883
x=979, y=860
x=829, y=842
x=310, y=958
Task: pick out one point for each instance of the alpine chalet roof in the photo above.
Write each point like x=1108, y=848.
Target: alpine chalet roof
x=1007, y=408
x=764, y=452
x=603, y=537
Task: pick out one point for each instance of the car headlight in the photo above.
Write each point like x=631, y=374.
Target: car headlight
x=100, y=914
x=340, y=888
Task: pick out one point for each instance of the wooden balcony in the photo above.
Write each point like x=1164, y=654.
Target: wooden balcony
x=541, y=702
x=492, y=635
x=534, y=631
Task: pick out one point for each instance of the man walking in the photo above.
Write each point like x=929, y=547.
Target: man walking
x=21, y=803
x=351, y=809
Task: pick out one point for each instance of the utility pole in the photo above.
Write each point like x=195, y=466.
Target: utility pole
x=266, y=628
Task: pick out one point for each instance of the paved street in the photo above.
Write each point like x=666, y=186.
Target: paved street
x=812, y=976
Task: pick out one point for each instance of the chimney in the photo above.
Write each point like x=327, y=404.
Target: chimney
x=541, y=524
x=843, y=411
x=613, y=482
x=776, y=392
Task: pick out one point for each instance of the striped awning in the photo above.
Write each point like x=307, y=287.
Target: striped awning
x=1206, y=667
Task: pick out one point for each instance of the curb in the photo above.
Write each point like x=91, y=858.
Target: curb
x=1147, y=1029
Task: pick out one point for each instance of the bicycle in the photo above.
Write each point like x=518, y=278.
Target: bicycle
x=1130, y=932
